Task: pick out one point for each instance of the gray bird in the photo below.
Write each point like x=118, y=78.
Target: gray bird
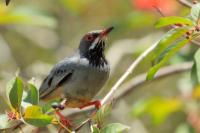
x=80, y=77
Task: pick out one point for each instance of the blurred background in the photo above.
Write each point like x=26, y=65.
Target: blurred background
x=35, y=34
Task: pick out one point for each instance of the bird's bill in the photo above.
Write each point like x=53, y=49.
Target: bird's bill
x=105, y=32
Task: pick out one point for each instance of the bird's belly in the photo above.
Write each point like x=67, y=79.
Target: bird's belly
x=85, y=86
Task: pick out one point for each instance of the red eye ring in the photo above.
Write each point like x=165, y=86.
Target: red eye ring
x=89, y=37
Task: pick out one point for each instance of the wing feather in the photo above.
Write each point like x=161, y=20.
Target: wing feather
x=60, y=74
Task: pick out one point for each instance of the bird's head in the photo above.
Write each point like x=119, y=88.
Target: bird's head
x=94, y=42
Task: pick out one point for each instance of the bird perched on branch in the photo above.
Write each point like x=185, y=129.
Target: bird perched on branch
x=79, y=78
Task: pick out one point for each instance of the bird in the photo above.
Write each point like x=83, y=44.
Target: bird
x=79, y=78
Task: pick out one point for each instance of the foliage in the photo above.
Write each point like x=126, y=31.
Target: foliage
x=40, y=116
x=183, y=31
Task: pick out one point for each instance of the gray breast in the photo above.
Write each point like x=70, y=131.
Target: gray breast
x=86, y=80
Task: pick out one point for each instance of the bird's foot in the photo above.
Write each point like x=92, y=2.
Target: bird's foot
x=58, y=107
x=64, y=121
x=96, y=103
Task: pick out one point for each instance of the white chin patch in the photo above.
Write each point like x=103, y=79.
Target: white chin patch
x=94, y=43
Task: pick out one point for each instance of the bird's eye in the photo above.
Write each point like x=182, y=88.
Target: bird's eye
x=89, y=37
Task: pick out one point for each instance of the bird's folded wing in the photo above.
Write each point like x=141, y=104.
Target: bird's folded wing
x=60, y=74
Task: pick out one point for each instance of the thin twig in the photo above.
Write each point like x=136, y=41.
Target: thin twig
x=82, y=124
x=127, y=73
x=159, y=11
x=185, y=3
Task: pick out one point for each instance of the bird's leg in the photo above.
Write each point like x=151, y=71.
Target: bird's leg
x=96, y=103
x=59, y=107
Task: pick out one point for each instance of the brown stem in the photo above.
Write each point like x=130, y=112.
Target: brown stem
x=185, y=3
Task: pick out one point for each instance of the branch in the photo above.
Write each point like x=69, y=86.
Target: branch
x=127, y=73
x=185, y=3
x=139, y=80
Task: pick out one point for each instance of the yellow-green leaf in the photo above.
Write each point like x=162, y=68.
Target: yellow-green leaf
x=34, y=116
x=165, y=21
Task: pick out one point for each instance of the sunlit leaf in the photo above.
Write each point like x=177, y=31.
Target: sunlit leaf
x=197, y=63
x=114, y=128
x=5, y=122
x=195, y=11
x=14, y=92
x=165, y=56
x=33, y=115
x=33, y=95
x=165, y=21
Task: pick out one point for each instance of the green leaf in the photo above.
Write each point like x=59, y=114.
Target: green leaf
x=165, y=56
x=102, y=113
x=114, y=128
x=33, y=95
x=14, y=92
x=5, y=122
x=165, y=21
x=197, y=64
x=166, y=40
x=195, y=11
x=33, y=115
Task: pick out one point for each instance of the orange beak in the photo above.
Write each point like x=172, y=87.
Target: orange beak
x=106, y=31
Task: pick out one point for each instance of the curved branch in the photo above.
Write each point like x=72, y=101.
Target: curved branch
x=139, y=80
x=128, y=72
